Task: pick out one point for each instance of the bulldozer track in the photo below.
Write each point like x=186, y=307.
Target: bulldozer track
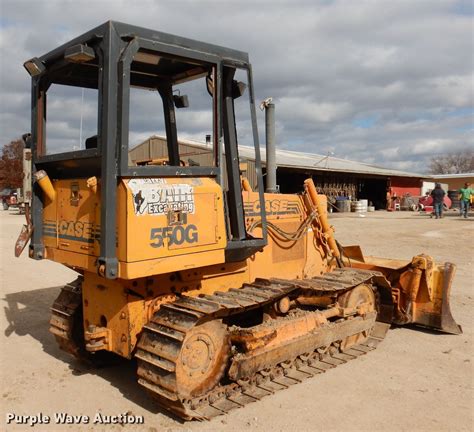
x=65, y=313
x=163, y=337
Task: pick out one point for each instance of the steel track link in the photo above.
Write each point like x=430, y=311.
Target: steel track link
x=64, y=313
x=162, y=339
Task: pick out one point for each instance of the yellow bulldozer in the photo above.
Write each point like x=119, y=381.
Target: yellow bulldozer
x=222, y=292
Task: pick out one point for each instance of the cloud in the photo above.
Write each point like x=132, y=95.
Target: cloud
x=329, y=65
x=306, y=110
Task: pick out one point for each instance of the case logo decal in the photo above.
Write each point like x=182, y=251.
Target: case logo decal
x=84, y=232
x=272, y=207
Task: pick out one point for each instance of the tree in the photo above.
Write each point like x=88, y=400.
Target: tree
x=453, y=163
x=11, y=165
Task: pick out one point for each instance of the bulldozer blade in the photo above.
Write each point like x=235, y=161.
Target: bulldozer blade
x=427, y=302
x=443, y=321
x=435, y=312
x=353, y=252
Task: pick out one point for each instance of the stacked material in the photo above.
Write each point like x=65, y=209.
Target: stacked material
x=360, y=206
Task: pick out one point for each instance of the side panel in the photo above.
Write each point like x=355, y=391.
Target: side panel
x=78, y=217
x=283, y=257
x=170, y=217
x=70, y=223
x=163, y=225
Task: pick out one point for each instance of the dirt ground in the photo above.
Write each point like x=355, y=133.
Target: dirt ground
x=416, y=379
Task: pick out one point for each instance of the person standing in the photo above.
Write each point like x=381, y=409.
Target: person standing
x=389, y=199
x=465, y=194
x=438, y=200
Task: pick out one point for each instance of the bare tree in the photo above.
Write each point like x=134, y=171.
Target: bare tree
x=453, y=163
x=11, y=165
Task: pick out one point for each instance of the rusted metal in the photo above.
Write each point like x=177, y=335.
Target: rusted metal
x=283, y=305
x=441, y=318
x=448, y=324
x=65, y=316
x=25, y=233
x=98, y=338
x=185, y=349
x=246, y=365
x=23, y=239
x=203, y=359
x=361, y=297
x=420, y=290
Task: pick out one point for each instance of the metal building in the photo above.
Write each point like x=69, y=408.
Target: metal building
x=333, y=176
x=454, y=181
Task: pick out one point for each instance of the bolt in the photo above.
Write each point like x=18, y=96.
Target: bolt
x=123, y=315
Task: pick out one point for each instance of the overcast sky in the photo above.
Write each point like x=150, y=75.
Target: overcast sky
x=384, y=82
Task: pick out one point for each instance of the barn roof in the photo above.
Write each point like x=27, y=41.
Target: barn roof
x=309, y=161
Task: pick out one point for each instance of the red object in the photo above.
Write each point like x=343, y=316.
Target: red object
x=428, y=201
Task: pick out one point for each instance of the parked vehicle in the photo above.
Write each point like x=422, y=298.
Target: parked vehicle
x=9, y=198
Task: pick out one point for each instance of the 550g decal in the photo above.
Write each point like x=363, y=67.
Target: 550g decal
x=176, y=235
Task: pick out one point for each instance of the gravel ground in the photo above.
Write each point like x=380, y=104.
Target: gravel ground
x=416, y=380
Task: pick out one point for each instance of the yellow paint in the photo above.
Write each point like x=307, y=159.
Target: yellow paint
x=45, y=184
x=147, y=244
x=152, y=270
x=150, y=236
x=144, y=241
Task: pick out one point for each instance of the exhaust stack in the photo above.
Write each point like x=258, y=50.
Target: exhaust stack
x=270, y=145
